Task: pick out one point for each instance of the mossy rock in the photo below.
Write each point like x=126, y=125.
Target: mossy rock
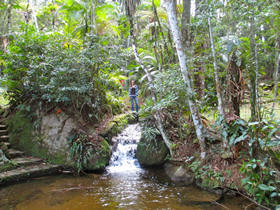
x=98, y=157
x=151, y=152
x=22, y=137
x=117, y=124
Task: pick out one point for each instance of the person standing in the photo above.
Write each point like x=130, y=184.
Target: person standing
x=133, y=93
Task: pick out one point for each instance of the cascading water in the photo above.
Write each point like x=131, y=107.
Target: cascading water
x=123, y=158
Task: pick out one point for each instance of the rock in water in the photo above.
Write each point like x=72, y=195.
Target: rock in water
x=178, y=173
x=151, y=152
x=97, y=157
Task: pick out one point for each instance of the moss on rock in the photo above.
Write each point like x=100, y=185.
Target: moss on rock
x=23, y=137
x=151, y=152
x=98, y=157
x=117, y=124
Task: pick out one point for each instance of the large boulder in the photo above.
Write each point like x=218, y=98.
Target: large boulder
x=53, y=139
x=98, y=156
x=56, y=129
x=151, y=152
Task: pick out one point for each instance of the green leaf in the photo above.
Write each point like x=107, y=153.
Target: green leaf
x=266, y=188
x=157, y=3
x=240, y=138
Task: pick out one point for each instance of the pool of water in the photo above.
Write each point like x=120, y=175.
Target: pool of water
x=124, y=185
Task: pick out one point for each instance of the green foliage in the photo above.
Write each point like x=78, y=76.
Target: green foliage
x=208, y=177
x=88, y=153
x=150, y=132
x=261, y=181
x=57, y=70
x=235, y=131
x=8, y=166
x=170, y=90
x=78, y=150
x=20, y=131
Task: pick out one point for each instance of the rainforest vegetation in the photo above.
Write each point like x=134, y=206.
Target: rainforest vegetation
x=207, y=70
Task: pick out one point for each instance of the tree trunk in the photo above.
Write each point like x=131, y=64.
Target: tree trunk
x=160, y=28
x=253, y=72
x=34, y=15
x=276, y=77
x=199, y=70
x=9, y=20
x=91, y=18
x=200, y=131
x=216, y=75
x=150, y=79
x=235, y=86
x=185, y=24
x=54, y=16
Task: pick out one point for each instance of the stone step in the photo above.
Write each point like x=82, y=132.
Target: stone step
x=4, y=138
x=3, y=132
x=12, y=153
x=23, y=173
x=3, y=127
x=24, y=161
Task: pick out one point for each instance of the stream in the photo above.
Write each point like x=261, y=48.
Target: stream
x=124, y=185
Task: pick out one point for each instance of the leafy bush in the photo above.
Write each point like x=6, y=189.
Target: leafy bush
x=56, y=69
x=261, y=181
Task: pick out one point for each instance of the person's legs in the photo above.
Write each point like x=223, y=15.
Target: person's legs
x=136, y=104
x=132, y=103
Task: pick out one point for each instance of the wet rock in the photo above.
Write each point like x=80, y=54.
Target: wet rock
x=178, y=173
x=98, y=157
x=151, y=152
x=116, y=125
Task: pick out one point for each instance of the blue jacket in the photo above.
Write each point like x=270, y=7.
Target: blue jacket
x=136, y=91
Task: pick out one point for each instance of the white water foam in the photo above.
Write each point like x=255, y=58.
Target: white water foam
x=123, y=159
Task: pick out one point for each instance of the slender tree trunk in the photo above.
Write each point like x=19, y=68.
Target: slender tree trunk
x=54, y=16
x=199, y=70
x=150, y=79
x=91, y=17
x=9, y=20
x=185, y=25
x=276, y=77
x=34, y=15
x=253, y=71
x=160, y=28
x=216, y=75
x=200, y=131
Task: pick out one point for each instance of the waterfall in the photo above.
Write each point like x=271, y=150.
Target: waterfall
x=123, y=159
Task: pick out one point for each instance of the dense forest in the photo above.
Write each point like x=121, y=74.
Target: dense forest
x=207, y=72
